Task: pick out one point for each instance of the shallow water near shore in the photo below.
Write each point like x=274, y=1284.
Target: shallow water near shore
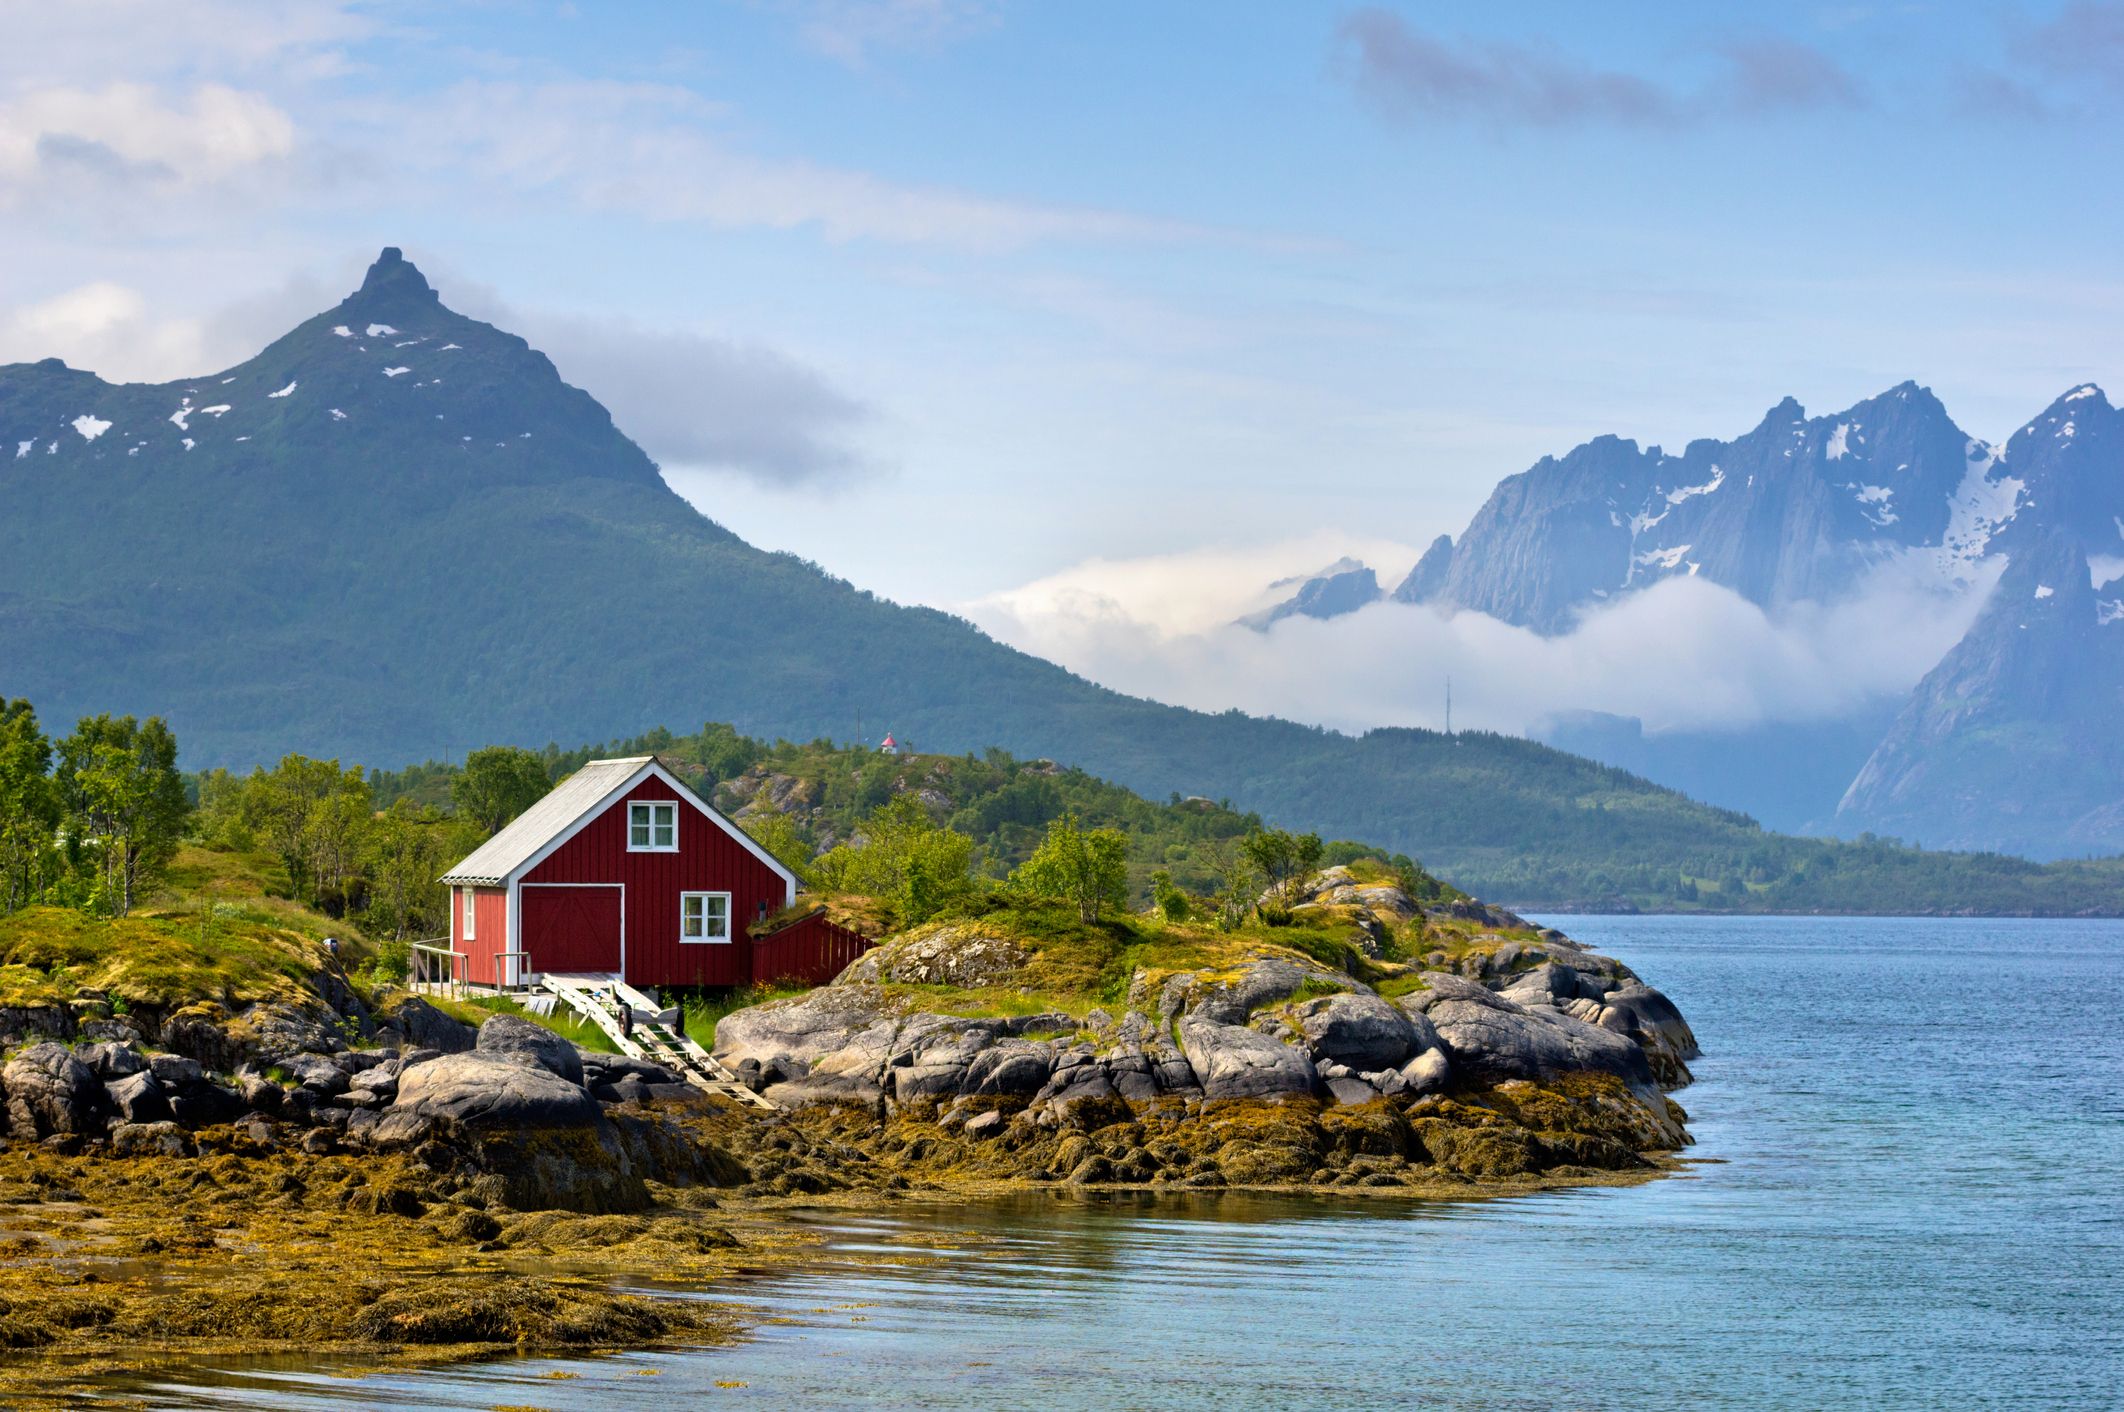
x=1907, y=1192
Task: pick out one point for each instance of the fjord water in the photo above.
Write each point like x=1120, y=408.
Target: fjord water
x=1912, y=1133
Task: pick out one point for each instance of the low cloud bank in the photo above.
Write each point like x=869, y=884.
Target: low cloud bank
x=1684, y=654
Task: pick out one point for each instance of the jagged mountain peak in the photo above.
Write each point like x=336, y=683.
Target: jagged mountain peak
x=393, y=276
x=390, y=381
x=1787, y=411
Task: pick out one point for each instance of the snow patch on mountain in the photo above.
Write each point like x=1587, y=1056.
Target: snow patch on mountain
x=1873, y=503
x=283, y=392
x=1718, y=478
x=1983, y=504
x=381, y=330
x=342, y=330
x=90, y=426
x=396, y=372
x=22, y=448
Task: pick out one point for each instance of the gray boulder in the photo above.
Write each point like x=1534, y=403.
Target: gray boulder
x=138, y=1098
x=112, y=1061
x=1013, y=1067
x=857, y=1022
x=261, y=1094
x=1493, y=1039
x=1232, y=1061
x=205, y=1104
x=1549, y=984
x=50, y=1092
x=1080, y=1083
x=1349, y=1090
x=1428, y=1071
x=425, y=1027
x=176, y=1071
x=381, y=1083
x=1640, y=1011
x=1361, y=1032
x=518, y=1041
x=1261, y=984
x=315, y=1073
x=935, y=1061
x=486, y=1090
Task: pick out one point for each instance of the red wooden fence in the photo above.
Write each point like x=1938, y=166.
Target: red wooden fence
x=809, y=949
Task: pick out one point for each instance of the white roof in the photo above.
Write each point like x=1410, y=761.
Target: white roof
x=574, y=802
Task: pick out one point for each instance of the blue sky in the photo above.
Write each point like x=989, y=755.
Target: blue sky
x=955, y=295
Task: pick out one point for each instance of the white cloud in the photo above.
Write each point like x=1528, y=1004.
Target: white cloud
x=105, y=327
x=143, y=38
x=1683, y=654
x=693, y=400
x=1163, y=597
x=651, y=150
x=136, y=135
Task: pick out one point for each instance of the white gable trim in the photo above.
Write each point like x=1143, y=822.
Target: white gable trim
x=653, y=768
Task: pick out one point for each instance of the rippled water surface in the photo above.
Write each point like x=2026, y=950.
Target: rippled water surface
x=1916, y=1134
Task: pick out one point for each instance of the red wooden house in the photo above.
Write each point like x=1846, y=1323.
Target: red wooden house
x=623, y=871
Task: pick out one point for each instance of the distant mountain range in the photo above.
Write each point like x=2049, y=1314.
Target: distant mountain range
x=1802, y=509
x=397, y=533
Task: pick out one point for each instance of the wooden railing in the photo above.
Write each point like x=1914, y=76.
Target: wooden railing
x=432, y=966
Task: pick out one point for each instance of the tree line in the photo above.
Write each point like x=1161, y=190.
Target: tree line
x=91, y=819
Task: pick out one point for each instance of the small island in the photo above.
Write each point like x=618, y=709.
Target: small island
x=238, y=1124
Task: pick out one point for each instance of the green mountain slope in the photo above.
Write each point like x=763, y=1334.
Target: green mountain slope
x=402, y=534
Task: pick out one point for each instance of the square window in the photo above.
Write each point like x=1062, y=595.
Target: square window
x=652, y=828
x=704, y=916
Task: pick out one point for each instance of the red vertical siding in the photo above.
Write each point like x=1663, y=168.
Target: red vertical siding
x=490, y=917
x=708, y=860
x=808, y=949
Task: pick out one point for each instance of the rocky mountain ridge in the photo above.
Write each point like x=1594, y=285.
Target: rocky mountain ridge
x=1803, y=509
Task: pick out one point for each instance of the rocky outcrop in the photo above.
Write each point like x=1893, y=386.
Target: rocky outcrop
x=51, y=1093
x=414, y=1023
x=1232, y=1061
x=518, y=1041
x=1275, y=1029
x=956, y=954
x=486, y=1090
x=1492, y=1039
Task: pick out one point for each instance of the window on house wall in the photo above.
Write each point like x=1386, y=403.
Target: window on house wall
x=652, y=828
x=470, y=914
x=704, y=916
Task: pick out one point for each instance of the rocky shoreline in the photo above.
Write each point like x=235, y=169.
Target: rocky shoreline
x=389, y=1182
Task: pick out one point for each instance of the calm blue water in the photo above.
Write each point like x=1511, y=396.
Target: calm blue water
x=1916, y=1141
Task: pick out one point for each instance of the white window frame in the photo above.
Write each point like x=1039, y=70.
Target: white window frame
x=467, y=897
x=729, y=920
x=651, y=806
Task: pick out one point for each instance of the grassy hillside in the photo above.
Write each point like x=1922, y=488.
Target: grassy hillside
x=1516, y=824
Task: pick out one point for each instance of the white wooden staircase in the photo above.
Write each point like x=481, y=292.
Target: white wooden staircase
x=599, y=998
